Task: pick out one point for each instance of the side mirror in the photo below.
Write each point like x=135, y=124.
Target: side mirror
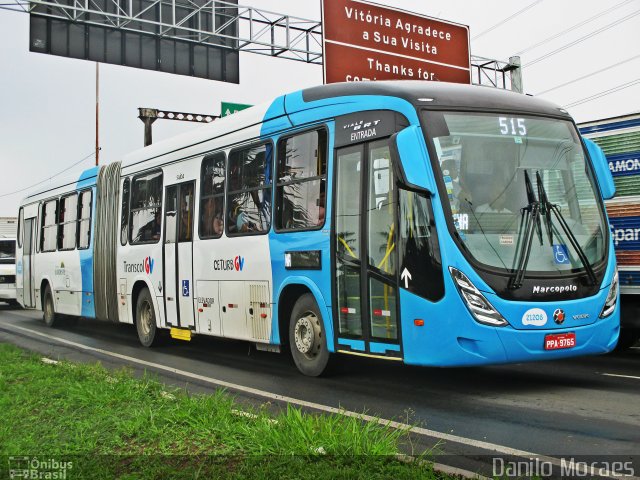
x=601, y=167
x=414, y=164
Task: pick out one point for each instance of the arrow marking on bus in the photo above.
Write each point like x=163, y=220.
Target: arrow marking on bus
x=318, y=406
x=406, y=276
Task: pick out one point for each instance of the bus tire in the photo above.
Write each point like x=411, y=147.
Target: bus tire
x=146, y=320
x=49, y=315
x=307, y=337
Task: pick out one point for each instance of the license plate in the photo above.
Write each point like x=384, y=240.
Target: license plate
x=560, y=340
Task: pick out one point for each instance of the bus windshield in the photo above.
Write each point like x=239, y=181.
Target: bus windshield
x=502, y=171
x=7, y=251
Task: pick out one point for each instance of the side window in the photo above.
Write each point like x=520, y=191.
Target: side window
x=249, y=190
x=20, y=227
x=84, y=219
x=49, y=226
x=302, y=185
x=145, y=215
x=419, y=250
x=67, y=226
x=124, y=215
x=212, y=196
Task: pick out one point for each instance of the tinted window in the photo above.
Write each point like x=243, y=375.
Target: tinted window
x=20, y=226
x=348, y=188
x=301, y=188
x=212, y=196
x=145, y=217
x=124, y=215
x=7, y=251
x=418, y=246
x=84, y=220
x=381, y=209
x=49, y=231
x=185, y=230
x=67, y=226
x=249, y=196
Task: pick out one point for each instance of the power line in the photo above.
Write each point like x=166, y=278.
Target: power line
x=582, y=39
x=602, y=94
x=588, y=75
x=47, y=179
x=577, y=25
x=502, y=22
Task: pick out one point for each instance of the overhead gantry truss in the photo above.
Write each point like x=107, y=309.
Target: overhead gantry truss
x=223, y=24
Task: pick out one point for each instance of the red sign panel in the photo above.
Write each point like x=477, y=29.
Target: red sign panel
x=364, y=41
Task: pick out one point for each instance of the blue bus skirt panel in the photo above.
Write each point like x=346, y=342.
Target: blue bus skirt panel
x=88, y=179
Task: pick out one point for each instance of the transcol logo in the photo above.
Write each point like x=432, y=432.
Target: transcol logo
x=146, y=266
x=238, y=263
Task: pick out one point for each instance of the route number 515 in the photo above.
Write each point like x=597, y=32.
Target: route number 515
x=512, y=126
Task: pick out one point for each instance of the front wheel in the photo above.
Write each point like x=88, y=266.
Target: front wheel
x=307, y=337
x=628, y=338
x=51, y=318
x=146, y=320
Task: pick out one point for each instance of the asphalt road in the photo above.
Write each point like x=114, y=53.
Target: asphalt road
x=581, y=407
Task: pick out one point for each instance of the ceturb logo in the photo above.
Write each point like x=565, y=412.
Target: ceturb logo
x=555, y=289
x=226, y=265
x=145, y=266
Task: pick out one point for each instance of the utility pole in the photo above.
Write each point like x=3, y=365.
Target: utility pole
x=97, y=111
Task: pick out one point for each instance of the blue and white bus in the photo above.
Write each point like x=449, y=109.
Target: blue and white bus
x=426, y=223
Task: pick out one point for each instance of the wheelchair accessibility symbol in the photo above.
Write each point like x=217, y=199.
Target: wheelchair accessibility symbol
x=185, y=288
x=561, y=255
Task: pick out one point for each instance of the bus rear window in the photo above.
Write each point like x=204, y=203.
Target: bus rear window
x=7, y=251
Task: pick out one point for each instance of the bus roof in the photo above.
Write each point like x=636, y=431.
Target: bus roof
x=440, y=94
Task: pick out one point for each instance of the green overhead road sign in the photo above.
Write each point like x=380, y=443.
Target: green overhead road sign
x=228, y=108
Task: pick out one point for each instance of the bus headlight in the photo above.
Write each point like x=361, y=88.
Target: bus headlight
x=478, y=305
x=612, y=298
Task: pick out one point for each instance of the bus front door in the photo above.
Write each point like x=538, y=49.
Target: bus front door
x=367, y=308
x=28, y=286
x=178, y=254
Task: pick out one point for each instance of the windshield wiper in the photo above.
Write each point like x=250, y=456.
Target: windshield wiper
x=530, y=219
x=549, y=207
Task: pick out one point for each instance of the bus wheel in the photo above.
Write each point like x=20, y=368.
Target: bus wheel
x=307, y=337
x=146, y=320
x=51, y=318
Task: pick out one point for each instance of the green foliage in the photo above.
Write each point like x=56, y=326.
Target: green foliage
x=113, y=425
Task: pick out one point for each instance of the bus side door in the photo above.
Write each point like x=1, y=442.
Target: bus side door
x=178, y=254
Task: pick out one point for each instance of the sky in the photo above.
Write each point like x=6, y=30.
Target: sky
x=47, y=103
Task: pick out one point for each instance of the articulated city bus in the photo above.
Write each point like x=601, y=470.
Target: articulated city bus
x=427, y=223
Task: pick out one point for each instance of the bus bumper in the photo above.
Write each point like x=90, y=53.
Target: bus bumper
x=7, y=292
x=528, y=345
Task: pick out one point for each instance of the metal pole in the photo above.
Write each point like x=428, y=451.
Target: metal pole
x=148, y=116
x=516, y=74
x=97, y=112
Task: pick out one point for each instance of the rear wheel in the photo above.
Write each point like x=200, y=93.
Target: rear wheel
x=51, y=318
x=307, y=337
x=146, y=320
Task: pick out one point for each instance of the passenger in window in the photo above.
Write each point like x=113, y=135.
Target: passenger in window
x=212, y=223
x=151, y=231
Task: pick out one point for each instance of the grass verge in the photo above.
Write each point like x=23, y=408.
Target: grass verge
x=112, y=425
